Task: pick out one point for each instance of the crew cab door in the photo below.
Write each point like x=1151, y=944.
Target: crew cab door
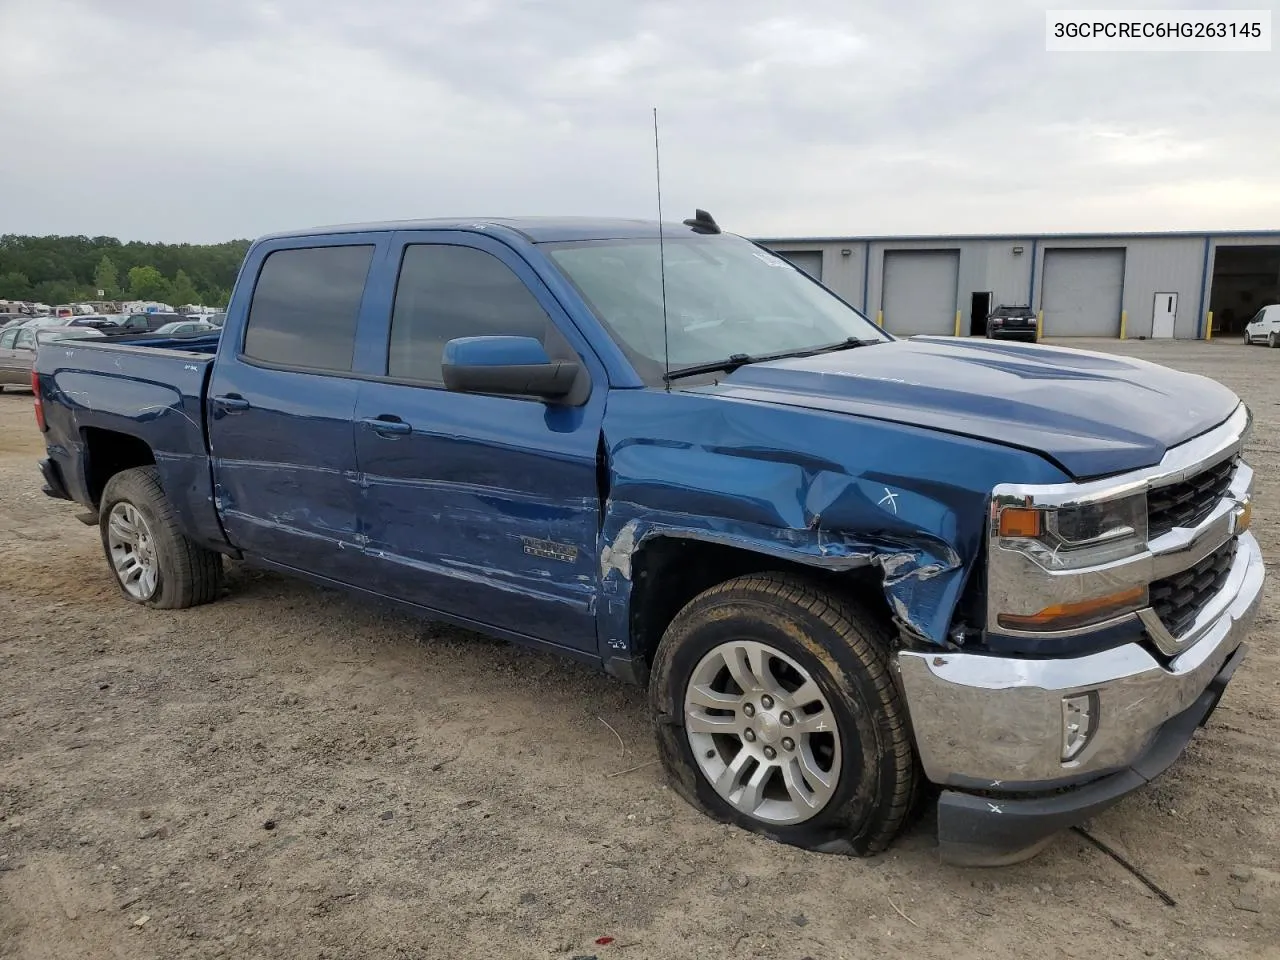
x=281, y=401
x=482, y=507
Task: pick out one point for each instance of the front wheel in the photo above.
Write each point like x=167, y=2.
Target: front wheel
x=1273, y=340
x=776, y=711
x=153, y=561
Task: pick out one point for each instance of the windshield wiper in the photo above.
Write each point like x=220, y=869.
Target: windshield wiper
x=728, y=365
x=734, y=361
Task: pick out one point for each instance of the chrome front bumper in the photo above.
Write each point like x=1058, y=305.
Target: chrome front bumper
x=996, y=723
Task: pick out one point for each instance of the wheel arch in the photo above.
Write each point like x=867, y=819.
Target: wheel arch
x=108, y=452
x=653, y=572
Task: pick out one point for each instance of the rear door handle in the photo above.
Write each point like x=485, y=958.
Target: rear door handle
x=388, y=425
x=231, y=402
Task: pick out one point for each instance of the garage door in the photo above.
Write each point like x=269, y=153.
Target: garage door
x=920, y=291
x=1082, y=290
x=810, y=261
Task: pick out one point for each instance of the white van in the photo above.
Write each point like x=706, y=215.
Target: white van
x=1264, y=327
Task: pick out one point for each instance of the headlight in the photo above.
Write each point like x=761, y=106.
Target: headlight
x=1067, y=538
x=1073, y=538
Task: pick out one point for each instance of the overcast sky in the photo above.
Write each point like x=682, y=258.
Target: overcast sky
x=203, y=120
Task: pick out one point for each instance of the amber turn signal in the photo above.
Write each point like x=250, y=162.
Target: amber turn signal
x=1064, y=616
x=1019, y=522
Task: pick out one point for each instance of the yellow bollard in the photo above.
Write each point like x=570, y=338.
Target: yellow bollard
x=1208, y=326
x=957, y=323
x=1039, y=325
x=879, y=318
x=1124, y=323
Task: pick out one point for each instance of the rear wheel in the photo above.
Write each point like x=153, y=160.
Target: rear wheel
x=153, y=561
x=776, y=711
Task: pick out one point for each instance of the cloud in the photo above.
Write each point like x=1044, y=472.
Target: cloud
x=159, y=119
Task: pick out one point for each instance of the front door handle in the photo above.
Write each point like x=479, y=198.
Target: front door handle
x=231, y=402
x=388, y=425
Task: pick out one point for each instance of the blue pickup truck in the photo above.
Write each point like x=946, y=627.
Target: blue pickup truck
x=851, y=569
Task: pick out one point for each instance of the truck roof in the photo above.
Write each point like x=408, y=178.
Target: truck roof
x=534, y=229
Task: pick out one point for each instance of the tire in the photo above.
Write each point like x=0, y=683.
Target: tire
x=1272, y=340
x=1246, y=340
x=176, y=573
x=869, y=757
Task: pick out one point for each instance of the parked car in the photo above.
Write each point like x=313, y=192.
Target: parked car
x=1264, y=327
x=185, y=328
x=1012, y=323
x=46, y=320
x=841, y=562
x=146, y=322
x=99, y=321
x=18, y=349
x=8, y=318
x=217, y=319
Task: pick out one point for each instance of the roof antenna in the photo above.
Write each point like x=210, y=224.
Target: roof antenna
x=662, y=258
x=702, y=222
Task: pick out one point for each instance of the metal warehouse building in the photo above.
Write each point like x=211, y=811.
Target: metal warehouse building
x=1105, y=285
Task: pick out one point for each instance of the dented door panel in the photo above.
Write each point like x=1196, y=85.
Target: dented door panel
x=486, y=510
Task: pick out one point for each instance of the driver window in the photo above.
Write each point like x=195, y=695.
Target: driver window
x=445, y=292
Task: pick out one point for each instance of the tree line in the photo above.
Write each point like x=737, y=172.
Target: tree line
x=57, y=270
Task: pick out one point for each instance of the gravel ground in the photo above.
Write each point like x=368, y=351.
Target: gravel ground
x=291, y=772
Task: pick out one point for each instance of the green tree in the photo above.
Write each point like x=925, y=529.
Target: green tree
x=148, y=283
x=215, y=296
x=54, y=292
x=183, y=290
x=106, y=278
x=14, y=286
x=69, y=269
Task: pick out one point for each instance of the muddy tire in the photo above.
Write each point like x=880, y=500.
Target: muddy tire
x=775, y=710
x=153, y=562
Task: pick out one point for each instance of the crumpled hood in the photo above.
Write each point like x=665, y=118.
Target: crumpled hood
x=1094, y=414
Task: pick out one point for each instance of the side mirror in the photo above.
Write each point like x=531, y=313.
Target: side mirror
x=513, y=366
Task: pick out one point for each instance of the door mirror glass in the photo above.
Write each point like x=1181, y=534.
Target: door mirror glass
x=511, y=366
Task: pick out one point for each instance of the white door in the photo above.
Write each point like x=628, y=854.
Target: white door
x=1166, y=308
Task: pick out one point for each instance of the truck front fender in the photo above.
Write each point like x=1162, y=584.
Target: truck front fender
x=922, y=574
x=824, y=490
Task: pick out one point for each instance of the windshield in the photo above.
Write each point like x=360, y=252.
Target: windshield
x=725, y=297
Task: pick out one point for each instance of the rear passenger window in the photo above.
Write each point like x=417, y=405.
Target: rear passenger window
x=305, y=307
x=446, y=292
x=7, y=338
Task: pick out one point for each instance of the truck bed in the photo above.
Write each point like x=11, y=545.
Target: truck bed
x=147, y=389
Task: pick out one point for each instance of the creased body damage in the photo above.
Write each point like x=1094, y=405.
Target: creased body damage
x=801, y=488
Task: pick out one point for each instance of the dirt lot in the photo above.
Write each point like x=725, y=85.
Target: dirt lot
x=293, y=773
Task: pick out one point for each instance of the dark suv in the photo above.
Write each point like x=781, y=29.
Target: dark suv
x=145, y=322
x=1011, y=323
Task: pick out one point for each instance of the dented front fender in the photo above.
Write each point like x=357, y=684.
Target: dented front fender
x=826, y=490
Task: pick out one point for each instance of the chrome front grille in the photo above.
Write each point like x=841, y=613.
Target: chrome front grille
x=1178, y=599
x=1187, y=502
